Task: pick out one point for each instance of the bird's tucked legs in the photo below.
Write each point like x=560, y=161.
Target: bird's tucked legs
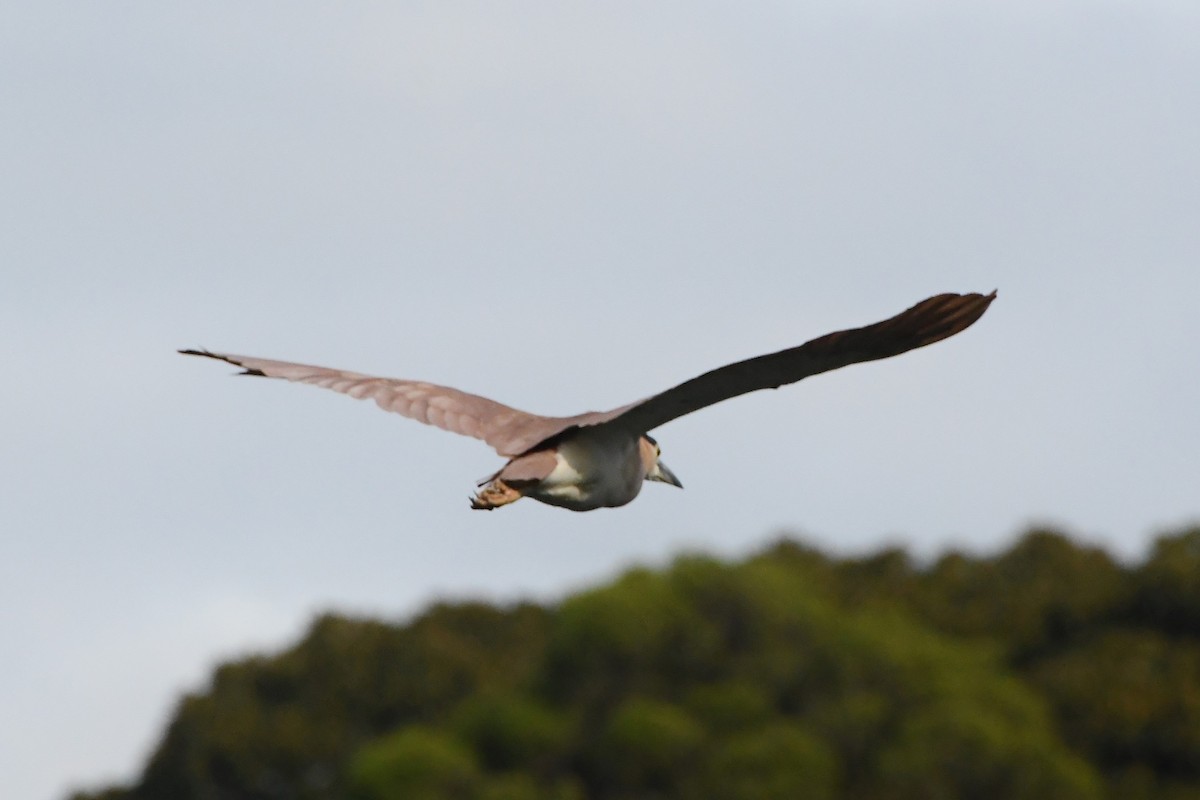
x=495, y=494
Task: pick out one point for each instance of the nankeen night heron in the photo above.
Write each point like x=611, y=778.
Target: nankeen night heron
x=599, y=459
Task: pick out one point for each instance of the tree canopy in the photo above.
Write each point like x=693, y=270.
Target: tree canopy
x=1050, y=670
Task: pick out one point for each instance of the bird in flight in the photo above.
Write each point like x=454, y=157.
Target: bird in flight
x=600, y=458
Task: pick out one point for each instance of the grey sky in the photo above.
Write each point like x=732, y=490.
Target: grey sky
x=565, y=207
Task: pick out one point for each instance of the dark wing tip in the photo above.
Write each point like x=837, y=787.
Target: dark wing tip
x=974, y=305
x=945, y=315
x=931, y=320
x=227, y=359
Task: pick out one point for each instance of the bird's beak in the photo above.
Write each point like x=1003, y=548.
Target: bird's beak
x=662, y=474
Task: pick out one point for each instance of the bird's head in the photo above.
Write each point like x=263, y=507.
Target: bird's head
x=656, y=470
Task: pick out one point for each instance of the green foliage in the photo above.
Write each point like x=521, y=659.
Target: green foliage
x=1033, y=598
x=635, y=636
x=512, y=732
x=1046, y=671
x=780, y=761
x=646, y=745
x=728, y=707
x=1167, y=587
x=286, y=726
x=951, y=751
x=416, y=763
x=1129, y=696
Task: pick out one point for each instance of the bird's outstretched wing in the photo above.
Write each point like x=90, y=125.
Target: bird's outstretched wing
x=509, y=431
x=929, y=321
x=512, y=432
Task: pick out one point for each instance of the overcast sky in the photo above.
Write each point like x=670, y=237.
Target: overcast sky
x=564, y=206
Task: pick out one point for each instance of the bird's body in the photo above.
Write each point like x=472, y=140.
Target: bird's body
x=591, y=471
x=600, y=459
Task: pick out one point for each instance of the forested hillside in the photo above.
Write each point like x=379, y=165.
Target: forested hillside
x=1047, y=671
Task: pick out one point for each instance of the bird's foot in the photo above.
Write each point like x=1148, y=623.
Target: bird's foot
x=495, y=494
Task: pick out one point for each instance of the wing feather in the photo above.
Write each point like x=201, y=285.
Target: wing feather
x=929, y=321
x=512, y=432
x=506, y=429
